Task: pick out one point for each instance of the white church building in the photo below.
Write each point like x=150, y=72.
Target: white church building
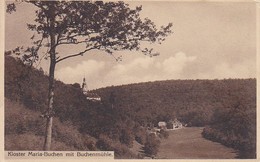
x=89, y=95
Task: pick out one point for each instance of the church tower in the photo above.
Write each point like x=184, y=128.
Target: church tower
x=84, y=87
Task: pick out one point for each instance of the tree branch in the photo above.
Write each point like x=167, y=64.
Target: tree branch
x=77, y=54
x=69, y=37
x=75, y=35
x=62, y=43
x=46, y=53
x=42, y=58
x=36, y=4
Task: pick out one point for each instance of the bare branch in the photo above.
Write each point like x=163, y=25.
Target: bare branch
x=47, y=51
x=70, y=43
x=41, y=59
x=70, y=37
x=40, y=44
x=77, y=54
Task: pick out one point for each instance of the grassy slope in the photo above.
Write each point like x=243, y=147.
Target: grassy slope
x=24, y=130
x=187, y=143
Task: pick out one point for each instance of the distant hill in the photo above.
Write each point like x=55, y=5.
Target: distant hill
x=191, y=101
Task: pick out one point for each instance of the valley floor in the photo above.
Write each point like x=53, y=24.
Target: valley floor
x=188, y=143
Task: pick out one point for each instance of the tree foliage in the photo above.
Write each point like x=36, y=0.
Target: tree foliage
x=151, y=147
x=107, y=26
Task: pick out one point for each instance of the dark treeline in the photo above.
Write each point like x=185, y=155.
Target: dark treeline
x=235, y=126
x=225, y=106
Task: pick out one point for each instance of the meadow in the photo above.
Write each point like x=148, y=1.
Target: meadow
x=188, y=143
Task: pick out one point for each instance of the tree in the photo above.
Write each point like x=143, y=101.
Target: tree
x=106, y=26
x=112, y=99
x=127, y=137
x=151, y=146
x=76, y=85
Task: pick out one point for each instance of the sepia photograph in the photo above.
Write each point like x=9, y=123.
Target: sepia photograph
x=130, y=79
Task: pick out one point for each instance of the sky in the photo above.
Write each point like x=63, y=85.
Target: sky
x=210, y=40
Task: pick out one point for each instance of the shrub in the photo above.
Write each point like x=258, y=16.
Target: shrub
x=90, y=142
x=140, y=135
x=164, y=134
x=104, y=143
x=67, y=133
x=121, y=151
x=127, y=137
x=151, y=146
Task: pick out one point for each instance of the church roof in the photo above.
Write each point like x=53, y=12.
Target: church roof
x=93, y=95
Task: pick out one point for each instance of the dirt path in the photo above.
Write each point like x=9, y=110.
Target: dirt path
x=188, y=143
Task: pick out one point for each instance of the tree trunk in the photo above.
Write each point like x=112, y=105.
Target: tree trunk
x=47, y=142
x=50, y=112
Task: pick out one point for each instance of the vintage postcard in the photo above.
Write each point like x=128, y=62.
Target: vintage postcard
x=130, y=80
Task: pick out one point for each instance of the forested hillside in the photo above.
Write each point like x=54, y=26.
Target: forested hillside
x=192, y=101
x=79, y=124
x=226, y=107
